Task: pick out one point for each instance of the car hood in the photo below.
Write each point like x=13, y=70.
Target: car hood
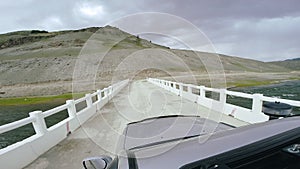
x=191, y=150
x=163, y=129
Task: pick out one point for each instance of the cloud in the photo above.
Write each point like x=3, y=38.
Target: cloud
x=91, y=10
x=53, y=22
x=262, y=39
x=264, y=30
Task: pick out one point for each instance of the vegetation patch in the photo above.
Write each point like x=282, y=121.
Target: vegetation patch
x=38, y=100
x=249, y=83
x=38, y=31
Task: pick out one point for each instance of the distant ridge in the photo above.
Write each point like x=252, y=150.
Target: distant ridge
x=292, y=59
x=293, y=64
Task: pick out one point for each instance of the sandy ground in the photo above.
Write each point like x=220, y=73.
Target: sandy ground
x=224, y=80
x=99, y=135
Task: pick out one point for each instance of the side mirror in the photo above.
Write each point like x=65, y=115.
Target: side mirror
x=100, y=162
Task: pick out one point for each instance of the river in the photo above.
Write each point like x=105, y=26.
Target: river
x=12, y=113
x=285, y=90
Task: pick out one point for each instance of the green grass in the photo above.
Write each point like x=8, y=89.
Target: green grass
x=249, y=83
x=38, y=100
x=294, y=78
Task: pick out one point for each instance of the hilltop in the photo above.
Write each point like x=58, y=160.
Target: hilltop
x=42, y=63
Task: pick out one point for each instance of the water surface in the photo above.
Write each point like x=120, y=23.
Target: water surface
x=285, y=90
x=10, y=114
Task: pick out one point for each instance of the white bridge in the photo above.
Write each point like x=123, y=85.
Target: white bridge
x=95, y=129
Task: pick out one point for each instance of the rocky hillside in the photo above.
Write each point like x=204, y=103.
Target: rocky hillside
x=27, y=57
x=42, y=63
x=293, y=64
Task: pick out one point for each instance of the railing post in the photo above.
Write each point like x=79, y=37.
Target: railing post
x=88, y=99
x=202, y=91
x=110, y=89
x=39, y=124
x=172, y=86
x=189, y=88
x=223, y=96
x=105, y=92
x=257, y=103
x=71, y=108
x=180, y=89
x=110, y=92
x=99, y=95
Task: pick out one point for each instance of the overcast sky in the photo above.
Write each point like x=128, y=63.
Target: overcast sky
x=264, y=30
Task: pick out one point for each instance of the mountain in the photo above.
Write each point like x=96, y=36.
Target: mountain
x=294, y=59
x=43, y=63
x=293, y=64
x=27, y=57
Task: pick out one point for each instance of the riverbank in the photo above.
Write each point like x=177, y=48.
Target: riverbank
x=253, y=83
x=250, y=79
x=38, y=99
x=289, y=90
x=23, y=95
x=235, y=79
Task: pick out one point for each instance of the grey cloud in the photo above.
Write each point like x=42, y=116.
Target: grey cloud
x=265, y=39
x=259, y=29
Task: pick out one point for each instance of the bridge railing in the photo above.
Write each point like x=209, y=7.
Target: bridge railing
x=218, y=100
x=45, y=138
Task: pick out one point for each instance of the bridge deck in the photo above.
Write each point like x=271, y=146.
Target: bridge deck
x=99, y=135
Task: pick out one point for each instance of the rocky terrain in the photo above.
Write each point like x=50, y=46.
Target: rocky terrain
x=36, y=63
x=293, y=64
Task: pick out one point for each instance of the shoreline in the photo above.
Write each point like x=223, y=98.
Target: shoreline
x=30, y=100
x=259, y=83
x=27, y=100
x=262, y=84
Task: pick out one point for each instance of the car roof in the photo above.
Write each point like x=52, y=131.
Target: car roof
x=178, y=153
